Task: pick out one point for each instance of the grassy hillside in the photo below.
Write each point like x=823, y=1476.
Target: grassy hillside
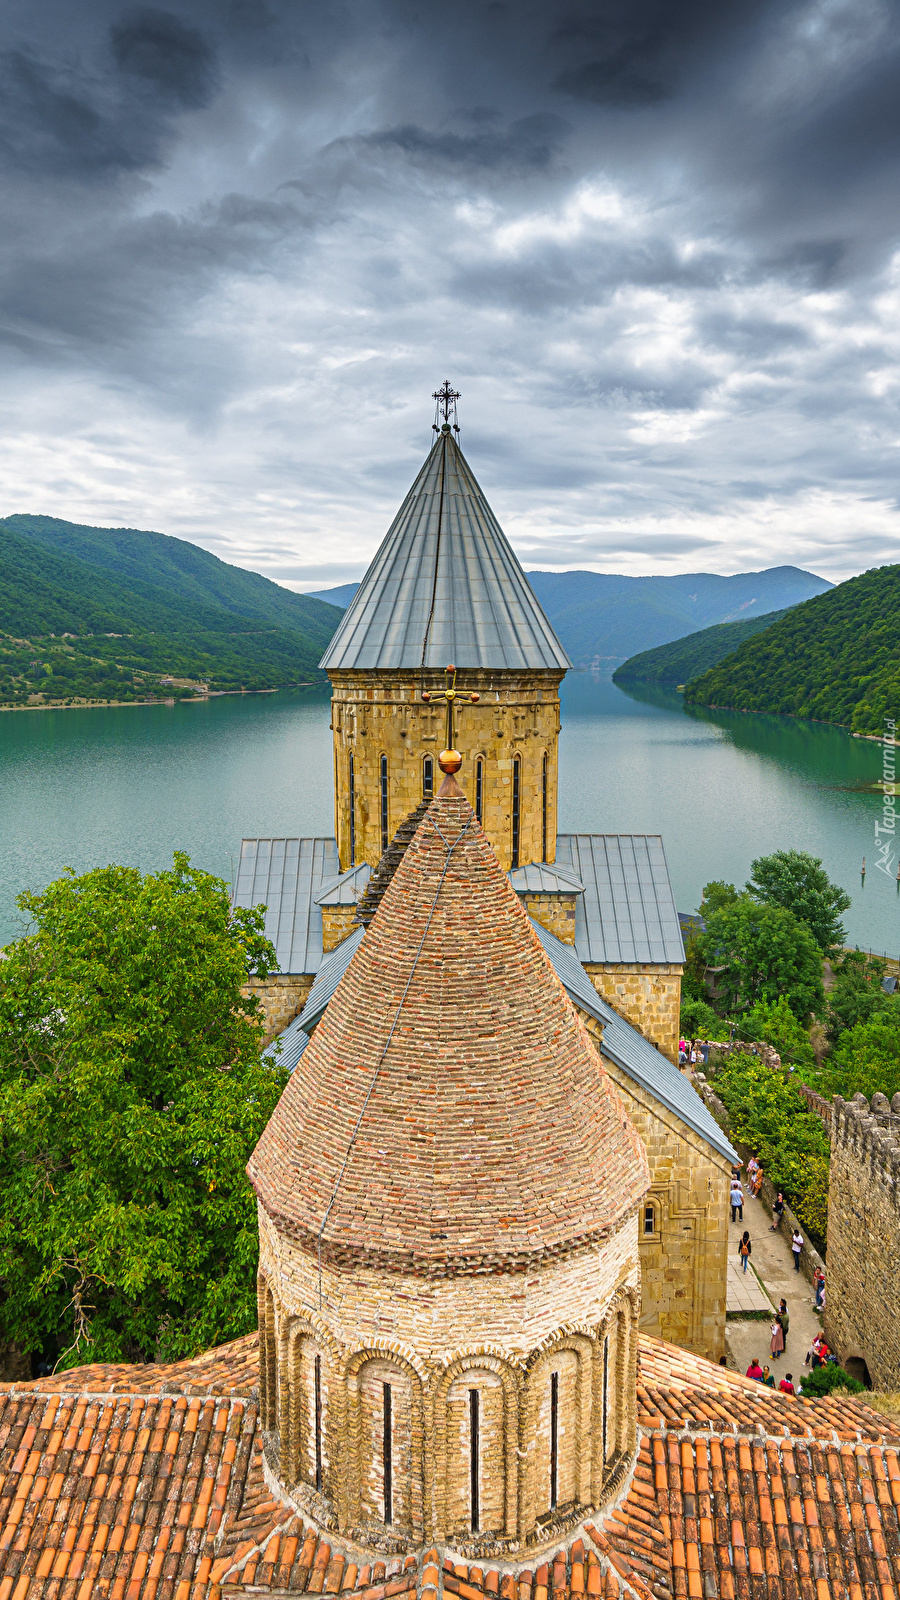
x=137, y=609
x=686, y=658
x=835, y=658
x=602, y=616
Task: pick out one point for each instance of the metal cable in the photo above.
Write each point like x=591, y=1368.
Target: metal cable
x=380, y=1062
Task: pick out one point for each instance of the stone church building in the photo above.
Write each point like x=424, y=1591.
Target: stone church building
x=445, y=591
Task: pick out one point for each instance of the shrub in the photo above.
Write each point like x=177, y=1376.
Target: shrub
x=825, y=1380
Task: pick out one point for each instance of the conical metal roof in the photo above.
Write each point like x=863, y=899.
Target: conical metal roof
x=450, y=1113
x=445, y=586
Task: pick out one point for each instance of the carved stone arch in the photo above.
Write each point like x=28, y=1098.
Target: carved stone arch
x=268, y=1352
x=310, y=1402
x=500, y=1435
x=558, y=1417
x=366, y=1371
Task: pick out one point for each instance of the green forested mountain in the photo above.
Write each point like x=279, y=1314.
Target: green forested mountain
x=686, y=658
x=835, y=658
x=136, y=608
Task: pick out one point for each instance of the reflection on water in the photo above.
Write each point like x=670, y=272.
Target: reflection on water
x=133, y=783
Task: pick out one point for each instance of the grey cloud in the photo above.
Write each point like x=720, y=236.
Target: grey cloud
x=167, y=56
x=528, y=142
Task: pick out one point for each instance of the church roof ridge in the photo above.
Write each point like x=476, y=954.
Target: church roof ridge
x=445, y=585
x=450, y=1113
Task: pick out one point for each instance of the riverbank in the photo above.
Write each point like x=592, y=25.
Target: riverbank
x=155, y=700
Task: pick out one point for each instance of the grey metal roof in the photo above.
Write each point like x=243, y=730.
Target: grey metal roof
x=292, y=1041
x=285, y=875
x=631, y=1051
x=347, y=889
x=627, y=911
x=328, y=977
x=445, y=569
x=539, y=878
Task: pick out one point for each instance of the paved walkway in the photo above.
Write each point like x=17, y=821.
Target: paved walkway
x=773, y=1267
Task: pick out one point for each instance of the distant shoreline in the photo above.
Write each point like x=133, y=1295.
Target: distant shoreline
x=168, y=700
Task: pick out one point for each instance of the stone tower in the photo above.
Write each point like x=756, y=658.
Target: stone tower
x=445, y=589
x=448, y=1190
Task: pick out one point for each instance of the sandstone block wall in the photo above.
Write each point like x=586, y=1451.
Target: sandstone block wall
x=382, y=714
x=649, y=997
x=555, y=912
x=337, y=923
x=549, y=1355
x=282, y=996
x=862, y=1300
x=684, y=1258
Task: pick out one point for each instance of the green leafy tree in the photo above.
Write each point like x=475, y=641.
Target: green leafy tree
x=758, y=952
x=798, y=882
x=716, y=895
x=699, y=1021
x=767, y=1112
x=774, y=1023
x=866, y=1059
x=856, y=994
x=827, y=1379
x=132, y=1091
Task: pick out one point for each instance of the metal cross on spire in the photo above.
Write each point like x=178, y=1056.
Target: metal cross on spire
x=445, y=406
x=451, y=694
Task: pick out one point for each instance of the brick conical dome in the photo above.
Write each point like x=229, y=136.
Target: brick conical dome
x=450, y=1113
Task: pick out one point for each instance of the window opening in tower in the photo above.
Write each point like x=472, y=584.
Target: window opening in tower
x=318, y=1402
x=387, y=1461
x=479, y=788
x=428, y=778
x=554, y=1438
x=544, y=810
x=474, y=1430
x=384, y=804
x=351, y=795
x=516, y=785
x=605, y=1394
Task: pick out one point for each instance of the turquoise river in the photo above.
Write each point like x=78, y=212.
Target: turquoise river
x=83, y=787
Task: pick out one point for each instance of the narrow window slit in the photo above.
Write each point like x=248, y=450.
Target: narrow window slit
x=318, y=1383
x=516, y=785
x=384, y=804
x=474, y=1431
x=388, y=1463
x=352, y=799
x=479, y=788
x=605, y=1394
x=554, y=1439
x=544, y=810
x=428, y=778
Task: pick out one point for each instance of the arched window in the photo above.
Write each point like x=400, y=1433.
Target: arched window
x=649, y=1219
x=351, y=797
x=428, y=778
x=476, y=1487
x=544, y=809
x=381, y=1414
x=479, y=789
x=384, y=804
x=516, y=801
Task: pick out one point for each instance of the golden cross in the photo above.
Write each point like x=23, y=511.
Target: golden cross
x=451, y=694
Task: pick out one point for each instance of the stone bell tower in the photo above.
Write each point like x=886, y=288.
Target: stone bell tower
x=445, y=591
x=448, y=1197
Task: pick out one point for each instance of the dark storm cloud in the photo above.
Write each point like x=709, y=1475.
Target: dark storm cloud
x=171, y=59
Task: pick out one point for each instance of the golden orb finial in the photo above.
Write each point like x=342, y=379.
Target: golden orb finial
x=449, y=760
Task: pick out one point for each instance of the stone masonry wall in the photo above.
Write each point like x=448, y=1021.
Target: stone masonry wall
x=337, y=923
x=862, y=1301
x=281, y=996
x=649, y=997
x=684, y=1259
x=556, y=1342
x=555, y=912
x=383, y=714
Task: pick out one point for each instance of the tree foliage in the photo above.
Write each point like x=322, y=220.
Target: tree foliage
x=768, y=1113
x=773, y=1022
x=798, y=881
x=132, y=1091
x=759, y=952
x=833, y=658
x=827, y=1379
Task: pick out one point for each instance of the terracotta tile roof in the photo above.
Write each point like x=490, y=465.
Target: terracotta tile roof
x=737, y=1492
x=500, y=1143
x=230, y=1369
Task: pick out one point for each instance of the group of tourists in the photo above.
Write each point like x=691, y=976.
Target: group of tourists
x=766, y=1376
x=780, y=1326
x=692, y=1053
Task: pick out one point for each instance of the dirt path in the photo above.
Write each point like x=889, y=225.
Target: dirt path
x=773, y=1264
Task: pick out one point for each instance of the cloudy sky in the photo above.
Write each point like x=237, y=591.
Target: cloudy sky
x=654, y=243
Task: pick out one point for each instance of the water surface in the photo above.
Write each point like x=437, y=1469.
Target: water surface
x=83, y=787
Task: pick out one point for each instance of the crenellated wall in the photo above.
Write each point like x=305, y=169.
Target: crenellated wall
x=493, y=1412
x=862, y=1302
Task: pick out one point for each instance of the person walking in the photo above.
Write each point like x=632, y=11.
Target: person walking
x=819, y=1286
x=777, y=1340
x=736, y=1199
x=777, y=1211
x=784, y=1314
x=752, y=1170
x=796, y=1247
x=745, y=1250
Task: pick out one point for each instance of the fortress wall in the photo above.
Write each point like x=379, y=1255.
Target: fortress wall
x=862, y=1301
